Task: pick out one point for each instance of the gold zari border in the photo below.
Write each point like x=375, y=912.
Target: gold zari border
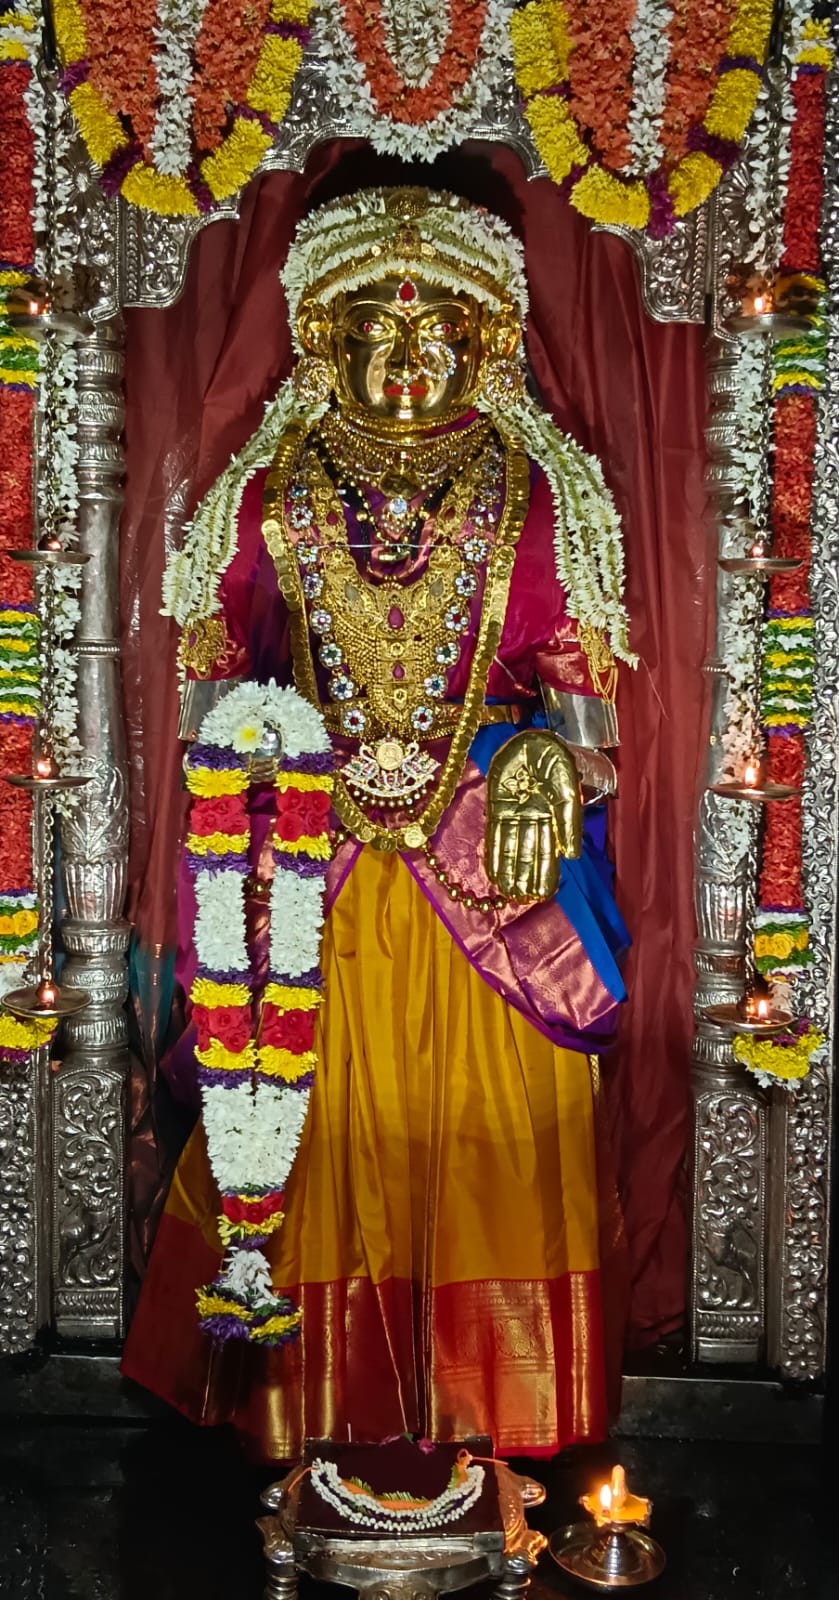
x=493, y=611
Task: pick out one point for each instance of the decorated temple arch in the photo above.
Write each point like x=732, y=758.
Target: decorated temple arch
x=678, y=235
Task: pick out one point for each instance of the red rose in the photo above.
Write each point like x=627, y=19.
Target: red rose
x=300, y=812
x=226, y=814
x=288, y=1030
x=231, y=1025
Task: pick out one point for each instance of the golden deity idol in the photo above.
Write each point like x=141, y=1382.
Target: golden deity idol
x=444, y=584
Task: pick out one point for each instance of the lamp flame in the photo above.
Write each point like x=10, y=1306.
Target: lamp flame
x=606, y=1497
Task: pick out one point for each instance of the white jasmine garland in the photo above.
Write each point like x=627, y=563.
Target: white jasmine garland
x=193, y=574
x=367, y=1511
x=337, y=242
x=176, y=30
x=296, y=923
x=220, y=922
x=587, y=538
x=240, y=719
x=416, y=37
x=355, y=102
x=253, y=1136
x=649, y=32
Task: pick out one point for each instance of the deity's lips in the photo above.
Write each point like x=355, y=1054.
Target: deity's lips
x=415, y=390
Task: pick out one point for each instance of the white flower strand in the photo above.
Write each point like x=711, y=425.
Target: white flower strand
x=193, y=574
x=177, y=26
x=649, y=32
x=416, y=37
x=339, y=238
x=220, y=922
x=296, y=923
x=367, y=1512
x=355, y=104
x=587, y=537
x=252, y=1136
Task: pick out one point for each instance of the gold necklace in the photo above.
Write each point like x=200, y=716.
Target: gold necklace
x=496, y=592
x=394, y=459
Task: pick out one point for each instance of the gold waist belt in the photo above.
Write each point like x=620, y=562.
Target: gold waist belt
x=446, y=717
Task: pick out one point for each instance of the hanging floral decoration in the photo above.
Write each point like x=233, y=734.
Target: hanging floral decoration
x=179, y=100
x=255, y=1045
x=19, y=629
x=413, y=79
x=782, y=924
x=637, y=110
x=783, y=1060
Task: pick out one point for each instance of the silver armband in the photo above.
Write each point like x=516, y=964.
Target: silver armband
x=581, y=719
x=200, y=695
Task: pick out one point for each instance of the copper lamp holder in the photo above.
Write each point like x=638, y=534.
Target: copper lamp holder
x=758, y=793
x=732, y=1018
x=758, y=566
x=30, y=1002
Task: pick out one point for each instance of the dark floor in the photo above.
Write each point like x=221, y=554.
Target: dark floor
x=167, y=1513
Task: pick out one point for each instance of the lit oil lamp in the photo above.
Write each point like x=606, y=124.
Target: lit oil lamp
x=753, y=785
x=758, y=560
x=611, y=1551
x=767, y=308
x=755, y=1014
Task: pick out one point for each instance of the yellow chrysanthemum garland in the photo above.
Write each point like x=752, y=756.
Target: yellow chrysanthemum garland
x=215, y=176
x=542, y=47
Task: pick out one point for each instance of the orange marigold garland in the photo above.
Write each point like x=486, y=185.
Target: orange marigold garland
x=639, y=117
x=178, y=101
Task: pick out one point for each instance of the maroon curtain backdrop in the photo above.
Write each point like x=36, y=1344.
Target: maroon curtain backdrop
x=628, y=389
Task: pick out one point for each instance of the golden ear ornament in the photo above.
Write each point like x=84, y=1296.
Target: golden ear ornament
x=313, y=379
x=500, y=382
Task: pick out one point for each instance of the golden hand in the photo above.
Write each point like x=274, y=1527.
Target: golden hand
x=534, y=814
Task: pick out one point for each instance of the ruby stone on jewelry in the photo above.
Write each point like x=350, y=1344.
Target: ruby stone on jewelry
x=255, y=1044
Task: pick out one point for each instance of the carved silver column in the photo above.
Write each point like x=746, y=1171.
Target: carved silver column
x=727, y=1292
x=88, y=1110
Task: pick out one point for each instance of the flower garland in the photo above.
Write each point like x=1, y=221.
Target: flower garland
x=638, y=115
x=19, y=626
x=784, y=1060
x=410, y=86
x=256, y=1046
x=178, y=103
x=782, y=924
x=396, y=1511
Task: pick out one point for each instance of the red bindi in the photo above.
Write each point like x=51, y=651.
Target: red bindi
x=407, y=291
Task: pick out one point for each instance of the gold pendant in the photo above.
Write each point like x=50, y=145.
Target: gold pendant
x=414, y=836
x=391, y=771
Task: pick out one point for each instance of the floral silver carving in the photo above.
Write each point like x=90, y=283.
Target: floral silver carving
x=88, y=1184
x=729, y=1200
x=672, y=270
x=24, y=1203
x=88, y=1113
x=727, y=1286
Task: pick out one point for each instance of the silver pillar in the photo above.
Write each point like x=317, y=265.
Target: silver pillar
x=727, y=1292
x=88, y=1098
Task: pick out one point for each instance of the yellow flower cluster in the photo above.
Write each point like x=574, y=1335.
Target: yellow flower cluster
x=15, y=1034
x=275, y=1062
x=816, y=49
x=18, y=924
x=541, y=49
x=786, y=1062
x=781, y=944
x=226, y=170
x=206, y=992
x=289, y=998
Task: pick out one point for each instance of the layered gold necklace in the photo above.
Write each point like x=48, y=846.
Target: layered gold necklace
x=388, y=646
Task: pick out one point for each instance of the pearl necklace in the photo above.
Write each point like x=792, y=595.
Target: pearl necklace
x=359, y=1504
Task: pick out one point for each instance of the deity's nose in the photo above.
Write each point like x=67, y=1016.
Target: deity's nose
x=405, y=352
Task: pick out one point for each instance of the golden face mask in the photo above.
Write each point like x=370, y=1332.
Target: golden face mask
x=407, y=350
